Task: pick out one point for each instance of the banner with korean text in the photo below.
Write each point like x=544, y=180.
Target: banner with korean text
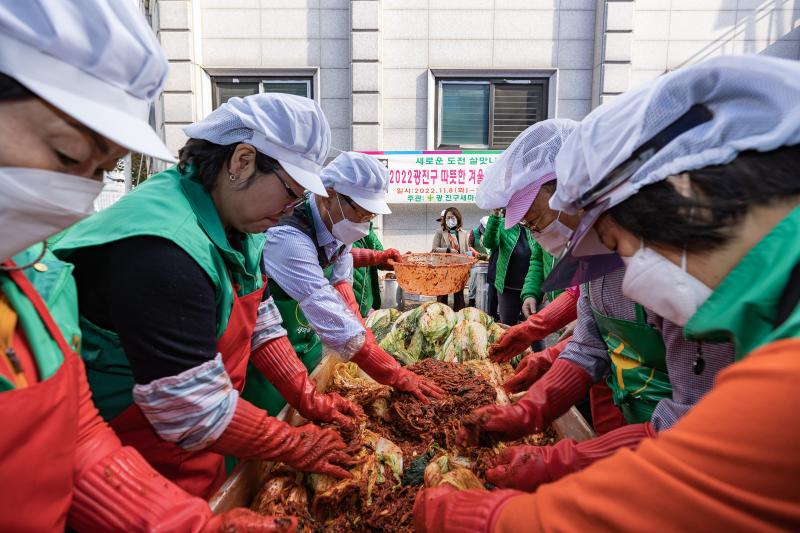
x=450, y=176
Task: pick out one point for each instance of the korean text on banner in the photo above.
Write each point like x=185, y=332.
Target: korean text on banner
x=435, y=177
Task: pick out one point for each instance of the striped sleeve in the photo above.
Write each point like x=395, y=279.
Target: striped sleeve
x=290, y=260
x=191, y=409
x=587, y=349
x=268, y=324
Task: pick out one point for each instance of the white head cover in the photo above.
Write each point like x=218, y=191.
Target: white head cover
x=530, y=157
x=291, y=129
x=691, y=118
x=95, y=60
x=361, y=177
x=755, y=102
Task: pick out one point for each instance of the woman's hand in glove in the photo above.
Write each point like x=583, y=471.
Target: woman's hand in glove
x=514, y=341
x=532, y=367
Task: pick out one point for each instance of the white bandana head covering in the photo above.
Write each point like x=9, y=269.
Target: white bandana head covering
x=289, y=128
x=362, y=178
x=96, y=60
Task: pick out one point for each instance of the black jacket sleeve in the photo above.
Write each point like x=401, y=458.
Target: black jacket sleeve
x=155, y=297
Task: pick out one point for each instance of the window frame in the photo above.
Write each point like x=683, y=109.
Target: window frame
x=308, y=75
x=436, y=77
x=260, y=80
x=440, y=111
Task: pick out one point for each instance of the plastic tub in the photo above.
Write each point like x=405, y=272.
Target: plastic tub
x=433, y=274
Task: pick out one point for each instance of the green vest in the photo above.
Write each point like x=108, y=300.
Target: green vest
x=744, y=308
x=57, y=288
x=476, y=241
x=366, y=286
x=177, y=208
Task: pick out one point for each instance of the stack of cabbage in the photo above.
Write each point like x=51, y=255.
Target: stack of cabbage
x=381, y=322
x=433, y=330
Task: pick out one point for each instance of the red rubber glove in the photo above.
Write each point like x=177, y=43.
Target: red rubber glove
x=458, y=511
x=550, y=397
x=122, y=492
x=381, y=366
x=115, y=489
x=278, y=361
x=345, y=290
x=526, y=467
x=364, y=257
x=532, y=367
x=606, y=416
x=554, y=316
x=252, y=434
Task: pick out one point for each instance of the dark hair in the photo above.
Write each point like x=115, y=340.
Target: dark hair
x=722, y=196
x=456, y=213
x=208, y=159
x=11, y=88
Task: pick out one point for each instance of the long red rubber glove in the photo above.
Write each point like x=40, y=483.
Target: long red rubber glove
x=467, y=511
x=117, y=490
x=550, y=397
x=278, y=361
x=381, y=366
x=532, y=367
x=252, y=434
x=384, y=369
x=526, y=467
x=364, y=257
x=553, y=317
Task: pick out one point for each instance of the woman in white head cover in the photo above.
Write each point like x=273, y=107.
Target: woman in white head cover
x=72, y=102
x=174, y=304
x=309, y=259
x=691, y=181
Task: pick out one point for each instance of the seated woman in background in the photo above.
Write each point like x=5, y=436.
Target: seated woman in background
x=451, y=239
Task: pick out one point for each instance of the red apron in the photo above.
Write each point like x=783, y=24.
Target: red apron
x=199, y=473
x=40, y=431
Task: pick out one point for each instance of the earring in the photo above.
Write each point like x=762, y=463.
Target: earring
x=231, y=177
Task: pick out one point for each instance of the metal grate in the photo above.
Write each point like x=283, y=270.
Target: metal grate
x=515, y=107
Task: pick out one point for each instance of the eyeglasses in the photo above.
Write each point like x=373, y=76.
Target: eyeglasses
x=357, y=209
x=533, y=226
x=296, y=200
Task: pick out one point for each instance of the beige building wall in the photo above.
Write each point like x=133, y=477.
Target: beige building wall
x=669, y=35
x=374, y=62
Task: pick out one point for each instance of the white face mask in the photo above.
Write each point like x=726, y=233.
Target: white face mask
x=554, y=237
x=346, y=230
x=451, y=222
x=663, y=287
x=36, y=204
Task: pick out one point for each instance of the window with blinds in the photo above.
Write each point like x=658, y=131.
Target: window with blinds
x=465, y=114
x=487, y=113
x=228, y=87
